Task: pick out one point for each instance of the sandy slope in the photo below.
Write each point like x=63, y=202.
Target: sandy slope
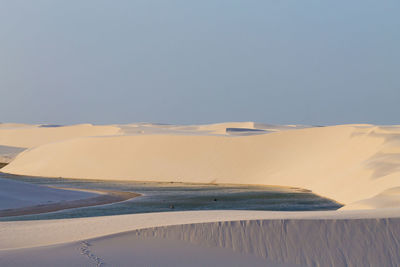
x=28, y=136
x=332, y=238
x=25, y=234
x=16, y=125
x=347, y=163
x=130, y=251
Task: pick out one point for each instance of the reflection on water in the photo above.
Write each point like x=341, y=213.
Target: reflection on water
x=158, y=197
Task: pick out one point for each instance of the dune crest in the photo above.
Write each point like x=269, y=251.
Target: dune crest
x=28, y=136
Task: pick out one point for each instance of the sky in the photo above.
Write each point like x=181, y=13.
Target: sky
x=284, y=62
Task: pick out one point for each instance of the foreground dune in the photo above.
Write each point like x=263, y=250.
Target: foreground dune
x=346, y=163
x=26, y=234
x=332, y=238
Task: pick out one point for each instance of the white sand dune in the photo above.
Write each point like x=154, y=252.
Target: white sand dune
x=30, y=136
x=389, y=198
x=130, y=251
x=357, y=165
x=331, y=238
x=202, y=129
x=346, y=163
x=16, y=125
x=26, y=234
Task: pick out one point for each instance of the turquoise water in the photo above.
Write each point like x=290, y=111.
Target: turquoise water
x=159, y=197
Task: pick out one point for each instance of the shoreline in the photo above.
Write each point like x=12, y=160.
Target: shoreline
x=105, y=197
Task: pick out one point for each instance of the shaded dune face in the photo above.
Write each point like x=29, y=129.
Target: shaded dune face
x=323, y=242
x=346, y=163
x=284, y=242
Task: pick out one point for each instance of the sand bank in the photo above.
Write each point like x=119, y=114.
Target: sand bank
x=107, y=197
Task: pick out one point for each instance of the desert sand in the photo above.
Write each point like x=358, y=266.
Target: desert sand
x=331, y=161
x=216, y=238
x=356, y=165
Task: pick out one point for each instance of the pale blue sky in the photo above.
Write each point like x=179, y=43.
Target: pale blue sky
x=102, y=61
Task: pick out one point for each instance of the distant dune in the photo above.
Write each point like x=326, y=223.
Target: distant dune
x=28, y=136
x=347, y=163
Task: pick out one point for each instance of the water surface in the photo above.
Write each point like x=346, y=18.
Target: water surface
x=159, y=197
